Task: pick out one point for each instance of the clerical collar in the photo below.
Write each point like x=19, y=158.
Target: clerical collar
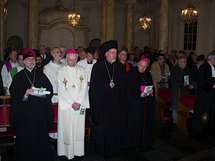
x=43, y=56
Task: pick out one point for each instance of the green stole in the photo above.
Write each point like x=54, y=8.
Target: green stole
x=13, y=72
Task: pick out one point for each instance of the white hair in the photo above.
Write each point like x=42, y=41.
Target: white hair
x=71, y=54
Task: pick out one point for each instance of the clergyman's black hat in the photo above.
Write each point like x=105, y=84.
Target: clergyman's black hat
x=108, y=45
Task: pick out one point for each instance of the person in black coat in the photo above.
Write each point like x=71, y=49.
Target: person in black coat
x=203, y=123
x=45, y=54
x=31, y=113
x=2, y=90
x=141, y=107
x=181, y=81
x=107, y=101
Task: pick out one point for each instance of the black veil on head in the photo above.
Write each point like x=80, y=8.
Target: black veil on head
x=107, y=46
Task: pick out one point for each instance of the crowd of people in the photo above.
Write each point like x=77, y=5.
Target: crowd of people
x=115, y=90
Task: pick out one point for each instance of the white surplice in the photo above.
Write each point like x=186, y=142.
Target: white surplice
x=51, y=71
x=87, y=67
x=72, y=87
x=4, y=73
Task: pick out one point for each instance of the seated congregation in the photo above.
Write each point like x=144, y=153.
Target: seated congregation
x=187, y=99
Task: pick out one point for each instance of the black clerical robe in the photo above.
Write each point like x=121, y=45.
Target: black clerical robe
x=204, y=111
x=108, y=107
x=31, y=117
x=141, y=110
x=2, y=91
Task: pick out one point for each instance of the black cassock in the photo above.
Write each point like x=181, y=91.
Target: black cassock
x=204, y=111
x=141, y=111
x=31, y=118
x=107, y=107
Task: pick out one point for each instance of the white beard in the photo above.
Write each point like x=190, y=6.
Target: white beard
x=112, y=61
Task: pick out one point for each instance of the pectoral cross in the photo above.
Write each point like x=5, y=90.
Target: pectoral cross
x=112, y=84
x=205, y=117
x=81, y=78
x=65, y=82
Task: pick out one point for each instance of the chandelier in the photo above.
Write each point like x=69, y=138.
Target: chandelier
x=74, y=17
x=145, y=21
x=189, y=14
x=3, y=6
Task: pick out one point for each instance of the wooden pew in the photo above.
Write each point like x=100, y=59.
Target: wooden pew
x=186, y=107
x=6, y=131
x=163, y=100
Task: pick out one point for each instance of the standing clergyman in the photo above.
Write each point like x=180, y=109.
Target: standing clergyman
x=107, y=101
x=73, y=101
x=31, y=111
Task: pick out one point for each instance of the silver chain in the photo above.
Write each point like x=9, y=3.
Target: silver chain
x=109, y=72
x=32, y=83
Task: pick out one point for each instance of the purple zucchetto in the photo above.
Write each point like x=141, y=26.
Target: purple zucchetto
x=144, y=59
x=71, y=51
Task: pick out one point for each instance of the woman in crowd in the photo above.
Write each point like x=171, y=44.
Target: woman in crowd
x=122, y=57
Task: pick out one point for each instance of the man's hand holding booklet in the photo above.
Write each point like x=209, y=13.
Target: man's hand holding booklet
x=146, y=89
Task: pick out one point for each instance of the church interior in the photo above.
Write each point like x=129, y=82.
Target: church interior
x=31, y=23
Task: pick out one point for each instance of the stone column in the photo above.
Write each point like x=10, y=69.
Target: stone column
x=129, y=24
x=110, y=23
x=2, y=32
x=33, y=23
x=163, y=25
x=103, y=20
x=108, y=20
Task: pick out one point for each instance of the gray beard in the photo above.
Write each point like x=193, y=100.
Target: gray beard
x=30, y=68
